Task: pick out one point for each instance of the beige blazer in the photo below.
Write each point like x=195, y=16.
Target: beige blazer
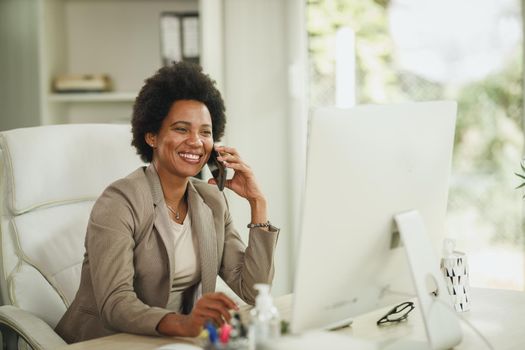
x=127, y=268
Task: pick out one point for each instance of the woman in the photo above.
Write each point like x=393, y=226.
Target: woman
x=157, y=239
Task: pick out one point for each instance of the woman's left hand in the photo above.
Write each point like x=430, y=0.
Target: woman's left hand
x=243, y=181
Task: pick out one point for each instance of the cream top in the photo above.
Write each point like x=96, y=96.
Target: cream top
x=187, y=267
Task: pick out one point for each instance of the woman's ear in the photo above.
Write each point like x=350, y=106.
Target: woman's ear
x=151, y=139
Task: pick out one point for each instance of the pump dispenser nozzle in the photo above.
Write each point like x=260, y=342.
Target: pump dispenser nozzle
x=263, y=299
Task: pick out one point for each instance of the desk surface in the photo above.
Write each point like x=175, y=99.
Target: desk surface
x=497, y=314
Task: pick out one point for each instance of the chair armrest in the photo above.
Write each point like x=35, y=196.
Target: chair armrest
x=15, y=323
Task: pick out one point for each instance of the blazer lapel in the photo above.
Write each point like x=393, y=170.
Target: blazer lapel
x=203, y=226
x=162, y=218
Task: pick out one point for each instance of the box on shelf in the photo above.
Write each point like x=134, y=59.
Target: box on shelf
x=82, y=83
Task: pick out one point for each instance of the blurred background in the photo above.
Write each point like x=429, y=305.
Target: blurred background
x=470, y=51
x=83, y=61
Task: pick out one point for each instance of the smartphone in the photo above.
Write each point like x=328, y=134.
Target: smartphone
x=217, y=169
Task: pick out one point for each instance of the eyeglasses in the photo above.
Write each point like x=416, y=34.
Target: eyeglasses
x=398, y=313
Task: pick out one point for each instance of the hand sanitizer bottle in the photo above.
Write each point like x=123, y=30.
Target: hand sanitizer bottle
x=265, y=324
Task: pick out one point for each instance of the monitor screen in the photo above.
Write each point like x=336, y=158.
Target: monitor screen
x=364, y=166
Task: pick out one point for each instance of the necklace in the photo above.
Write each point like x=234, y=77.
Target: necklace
x=176, y=213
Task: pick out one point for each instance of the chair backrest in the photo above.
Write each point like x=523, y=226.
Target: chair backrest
x=50, y=178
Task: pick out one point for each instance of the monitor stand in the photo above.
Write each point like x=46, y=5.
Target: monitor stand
x=441, y=323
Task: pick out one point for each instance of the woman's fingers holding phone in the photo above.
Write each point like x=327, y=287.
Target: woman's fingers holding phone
x=243, y=181
x=231, y=159
x=228, y=154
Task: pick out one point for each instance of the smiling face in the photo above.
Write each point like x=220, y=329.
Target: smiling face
x=184, y=142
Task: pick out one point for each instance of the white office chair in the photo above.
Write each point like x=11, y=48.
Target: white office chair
x=50, y=177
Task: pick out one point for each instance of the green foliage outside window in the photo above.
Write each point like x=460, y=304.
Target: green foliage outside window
x=489, y=136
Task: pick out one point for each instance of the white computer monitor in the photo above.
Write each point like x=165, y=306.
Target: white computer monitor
x=365, y=165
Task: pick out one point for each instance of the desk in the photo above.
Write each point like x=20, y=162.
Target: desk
x=498, y=314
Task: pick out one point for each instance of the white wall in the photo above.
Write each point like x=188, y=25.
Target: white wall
x=18, y=64
x=297, y=43
x=255, y=93
x=257, y=55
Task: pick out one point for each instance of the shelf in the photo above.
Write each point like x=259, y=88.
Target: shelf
x=63, y=37
x=93, y=97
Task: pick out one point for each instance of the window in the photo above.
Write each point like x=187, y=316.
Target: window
x=469, y=51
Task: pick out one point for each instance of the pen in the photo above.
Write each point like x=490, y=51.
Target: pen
x=225, y=333
x=204, y=334
x=212, y=332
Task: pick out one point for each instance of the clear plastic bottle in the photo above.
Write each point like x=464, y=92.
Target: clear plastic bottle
x=265, y=323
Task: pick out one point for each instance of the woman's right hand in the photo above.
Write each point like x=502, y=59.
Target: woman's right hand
x=214, y=307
